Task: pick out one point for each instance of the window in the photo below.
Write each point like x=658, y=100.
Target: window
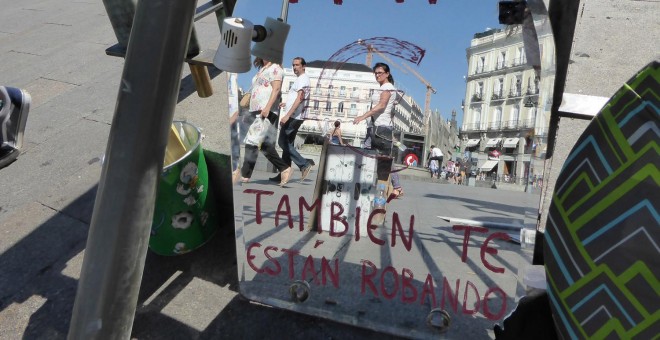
x=353, y=111
x=328, y=106
x=316, y=105
x=478, y=88
x=476, y=118
x=342, y=91
x=516, y=86
x=520, y=56
x=355, y=93
x=497, y=91
x=340, y=107
x=496, y=119
x=330, y=88
x=317, y=91
x=515, y=115
x=501, y=60
x=481, y=63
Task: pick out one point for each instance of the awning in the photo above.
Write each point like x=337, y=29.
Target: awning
x=511, y=142
x=472, y=142
x=493, y=142
x=489, y=165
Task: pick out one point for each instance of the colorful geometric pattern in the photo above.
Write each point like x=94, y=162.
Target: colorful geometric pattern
x=602, y=249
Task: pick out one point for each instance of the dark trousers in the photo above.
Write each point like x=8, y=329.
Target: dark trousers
x=286, y=141
x=381, y=140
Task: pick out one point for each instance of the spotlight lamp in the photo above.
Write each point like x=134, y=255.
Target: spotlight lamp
x=233, y=54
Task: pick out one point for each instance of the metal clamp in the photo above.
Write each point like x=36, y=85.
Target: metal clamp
x=438, y=319
x=300, y=291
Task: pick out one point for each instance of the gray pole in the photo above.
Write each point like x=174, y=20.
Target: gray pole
x=121, y=13
x=119, y=232
x=285, y=10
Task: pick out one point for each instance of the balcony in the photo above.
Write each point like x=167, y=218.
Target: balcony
x=532, y=91
x=497, y=95
x=516, y=92
x=495, y=125
x=472, y=126
x=479, y=69
x=527, y=124
x=477, y=97
x=519, y=62
x=510, y=125
x=500, y=65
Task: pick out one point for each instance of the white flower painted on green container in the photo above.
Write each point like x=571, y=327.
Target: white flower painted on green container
x=182, y=220
x=189, y=174
x=189, y=200
x=180, y=248
x=182, y=190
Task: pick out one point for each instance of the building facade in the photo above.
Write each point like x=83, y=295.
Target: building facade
x=343, y=92
x=506, y=106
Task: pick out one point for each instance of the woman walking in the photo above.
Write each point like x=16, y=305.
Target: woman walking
x=380, y=127
x=264, y=102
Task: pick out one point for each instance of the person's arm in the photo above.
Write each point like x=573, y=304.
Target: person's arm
x=233, y=118
x=294, y=106
x=276, y=85
x=379, y=108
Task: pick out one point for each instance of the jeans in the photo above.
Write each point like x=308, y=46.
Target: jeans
x=286, y=139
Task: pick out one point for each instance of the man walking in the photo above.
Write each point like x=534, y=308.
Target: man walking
x=296, y=108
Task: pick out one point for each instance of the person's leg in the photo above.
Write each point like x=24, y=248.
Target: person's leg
x=268, y=149
x=283, y=142
x=287, y=142
x=396, y=185
x=268, y=145
x=235, y=146
x=249, y=160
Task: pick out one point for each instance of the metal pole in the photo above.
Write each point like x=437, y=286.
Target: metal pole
x=121, y=13
x=119, y=232
x=285, y=10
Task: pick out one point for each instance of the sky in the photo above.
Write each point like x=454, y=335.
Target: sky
x=319, y=28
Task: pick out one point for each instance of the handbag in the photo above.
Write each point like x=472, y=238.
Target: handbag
x=245, y=100
x=262, y=129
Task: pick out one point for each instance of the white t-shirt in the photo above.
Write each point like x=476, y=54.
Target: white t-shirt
x=385, y=118
x=436, y=152
x=301, y=83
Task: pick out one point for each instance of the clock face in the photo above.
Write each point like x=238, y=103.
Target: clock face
x=350, y=183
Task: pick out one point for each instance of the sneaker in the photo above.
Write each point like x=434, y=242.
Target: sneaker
x=276, y=179
x=305, y=172
x=286, y=175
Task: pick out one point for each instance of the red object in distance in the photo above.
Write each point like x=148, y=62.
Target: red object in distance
x=411, y=159
x=495, y=153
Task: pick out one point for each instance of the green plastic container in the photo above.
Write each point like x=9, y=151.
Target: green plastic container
x=184, y=217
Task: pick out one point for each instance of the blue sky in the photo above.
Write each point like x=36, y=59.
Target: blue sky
x=319, y=28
